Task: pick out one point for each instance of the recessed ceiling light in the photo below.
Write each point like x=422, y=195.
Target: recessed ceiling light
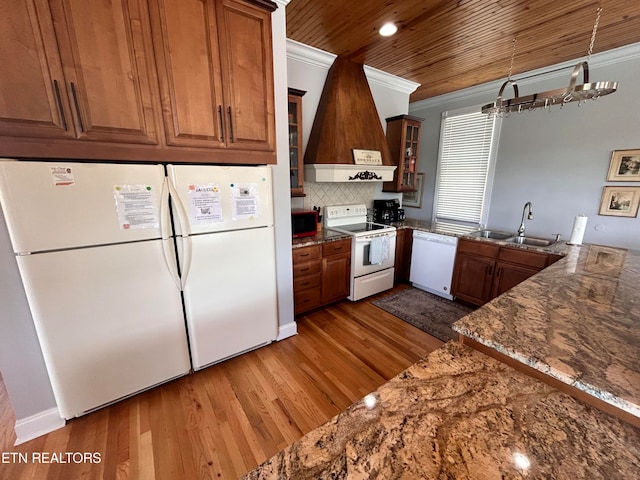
x=388, y=29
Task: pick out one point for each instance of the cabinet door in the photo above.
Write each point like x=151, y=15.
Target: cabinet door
x=472, y=276
x=509, y=275
x=295, y=144
x=409, y=156
x=404, y=244
x=33, y=99
x=403, y=136
x=104, y=48
x=185, y=36
x=335, y=277
x=244, y=32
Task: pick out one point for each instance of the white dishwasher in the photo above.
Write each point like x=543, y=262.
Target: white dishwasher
x=432, y=260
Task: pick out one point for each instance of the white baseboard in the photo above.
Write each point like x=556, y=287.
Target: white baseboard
x=286, y=331
x=37, y=425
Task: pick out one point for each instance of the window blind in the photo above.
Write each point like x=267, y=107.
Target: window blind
x=463, y=167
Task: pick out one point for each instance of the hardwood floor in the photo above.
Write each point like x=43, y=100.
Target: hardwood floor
x=225, y=420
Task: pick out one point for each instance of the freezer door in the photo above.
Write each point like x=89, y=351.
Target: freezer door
x=216, y=198
x=230, y=294
x=109, y=321
x=56, y=205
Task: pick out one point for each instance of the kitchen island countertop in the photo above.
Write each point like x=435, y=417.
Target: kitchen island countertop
x=577, y=321
x=461, y=414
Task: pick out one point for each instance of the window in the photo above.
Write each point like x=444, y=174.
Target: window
x=468, y=143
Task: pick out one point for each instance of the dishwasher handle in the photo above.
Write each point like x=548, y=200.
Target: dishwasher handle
x=434, y=238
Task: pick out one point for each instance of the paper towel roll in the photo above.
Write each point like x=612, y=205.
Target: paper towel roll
x=577, y=232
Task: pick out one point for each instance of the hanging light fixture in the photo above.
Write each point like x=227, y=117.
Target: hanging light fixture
x=572, y=93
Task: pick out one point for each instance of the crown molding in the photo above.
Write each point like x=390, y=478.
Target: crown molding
x=387, y=80
x=281, y=3
x=309, y=55
x=319, y=58
x=602, y=59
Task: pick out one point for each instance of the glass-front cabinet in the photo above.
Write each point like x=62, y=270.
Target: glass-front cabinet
x=296, y=165
x=403, y=137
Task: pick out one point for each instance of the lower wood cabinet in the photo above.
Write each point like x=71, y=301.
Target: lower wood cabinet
x=321, y=274
x=336, y=270
x=404, y=244
x=483, y=270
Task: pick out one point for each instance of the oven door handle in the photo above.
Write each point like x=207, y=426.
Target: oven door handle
x=369, y=238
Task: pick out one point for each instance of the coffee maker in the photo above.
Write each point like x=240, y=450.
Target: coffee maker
x=387, y=211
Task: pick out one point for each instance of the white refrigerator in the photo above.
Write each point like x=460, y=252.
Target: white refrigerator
x=116, y=295
x=226, y=245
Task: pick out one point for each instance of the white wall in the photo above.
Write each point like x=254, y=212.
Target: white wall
x=558, y=160
x=307, y=69
x=281, y=182
x=21, y=362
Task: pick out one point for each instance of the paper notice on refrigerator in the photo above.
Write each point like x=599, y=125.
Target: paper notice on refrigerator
x=245, y=201
x=62, y=176
x=205, y=205
x=136, y=206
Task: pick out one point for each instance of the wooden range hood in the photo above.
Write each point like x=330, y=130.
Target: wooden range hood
x=346, y=118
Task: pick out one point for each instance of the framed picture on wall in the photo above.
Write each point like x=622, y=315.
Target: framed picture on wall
x=620, y=201
x=414, y=199
x=624, y=166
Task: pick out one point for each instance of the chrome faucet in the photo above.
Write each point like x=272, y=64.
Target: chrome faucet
x=530, y=217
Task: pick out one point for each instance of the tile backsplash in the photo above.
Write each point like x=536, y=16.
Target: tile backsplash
x=323, y=194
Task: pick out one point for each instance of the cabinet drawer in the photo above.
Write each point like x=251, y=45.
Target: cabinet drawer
x=337, y=247
x=523, y=257
x=307, y=268
x=307, y=281
x=478, y=248
x=307, y=299
x=306, y=254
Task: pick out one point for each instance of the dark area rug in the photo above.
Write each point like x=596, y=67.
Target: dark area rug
x=428, y=312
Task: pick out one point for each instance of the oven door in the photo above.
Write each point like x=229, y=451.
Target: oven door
x=361, y=263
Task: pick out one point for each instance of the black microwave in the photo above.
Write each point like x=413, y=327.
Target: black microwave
x=304, y=223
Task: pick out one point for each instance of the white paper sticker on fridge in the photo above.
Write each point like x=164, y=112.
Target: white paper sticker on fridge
x=136, y=206
x=245, y=201
x=205, y=204
x=62, y=176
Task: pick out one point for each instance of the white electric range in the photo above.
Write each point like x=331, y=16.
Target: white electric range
x=373, y=249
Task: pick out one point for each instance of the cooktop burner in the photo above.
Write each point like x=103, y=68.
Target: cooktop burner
x=352, y=219
x=361, y=227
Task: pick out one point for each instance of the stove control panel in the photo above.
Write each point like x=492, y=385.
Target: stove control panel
x=346, y=211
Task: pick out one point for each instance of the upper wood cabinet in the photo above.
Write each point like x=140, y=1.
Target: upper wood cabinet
x=157, y=80
x=75, y=69
x=296, y=165
x=215, y=69
x=403, y=137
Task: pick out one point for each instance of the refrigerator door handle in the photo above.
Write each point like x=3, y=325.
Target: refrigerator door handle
x=181, y=213
x=165, y=240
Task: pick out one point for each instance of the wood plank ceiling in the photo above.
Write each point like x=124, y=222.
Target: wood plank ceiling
x=448, y=45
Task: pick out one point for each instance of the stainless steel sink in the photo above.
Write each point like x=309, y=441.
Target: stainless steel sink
x=496, y=235
x=533, y=241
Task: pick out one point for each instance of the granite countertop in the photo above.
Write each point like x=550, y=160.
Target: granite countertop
x=577, y=321
x=461, y=414
x=324, y=235
x=461, y=231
